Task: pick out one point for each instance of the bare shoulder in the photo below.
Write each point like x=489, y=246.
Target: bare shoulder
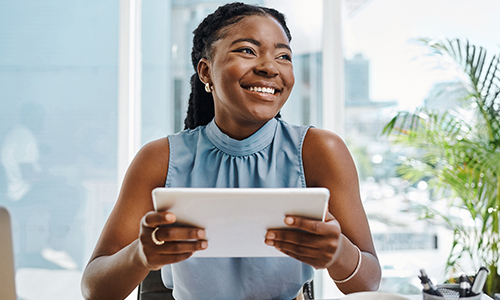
x=157, y=150
x=323, y=140
x=148, y=169
x=325, y=157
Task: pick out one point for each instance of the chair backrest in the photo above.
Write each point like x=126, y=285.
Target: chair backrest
x=152, y=288
x=7, y=275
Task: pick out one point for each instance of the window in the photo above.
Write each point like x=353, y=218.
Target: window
x=58, y=136
x=386, y=71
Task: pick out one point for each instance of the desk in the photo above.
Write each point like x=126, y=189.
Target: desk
x=419, y=297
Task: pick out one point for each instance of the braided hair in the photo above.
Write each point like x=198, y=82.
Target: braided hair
x=201, y=105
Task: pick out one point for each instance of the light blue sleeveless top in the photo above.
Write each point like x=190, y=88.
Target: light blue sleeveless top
x=206, y=157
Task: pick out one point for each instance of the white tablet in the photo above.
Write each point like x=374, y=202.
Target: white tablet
x=236, y=220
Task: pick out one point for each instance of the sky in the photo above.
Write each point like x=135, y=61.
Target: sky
x=382, y=30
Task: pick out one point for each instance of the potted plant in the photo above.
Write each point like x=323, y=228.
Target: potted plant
x=459, y=155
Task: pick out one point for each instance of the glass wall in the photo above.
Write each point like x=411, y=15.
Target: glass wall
x=58, y=136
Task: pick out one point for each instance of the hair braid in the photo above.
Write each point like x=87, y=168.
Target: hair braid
x=201, y=105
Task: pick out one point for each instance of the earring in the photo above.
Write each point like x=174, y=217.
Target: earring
x=208, y=88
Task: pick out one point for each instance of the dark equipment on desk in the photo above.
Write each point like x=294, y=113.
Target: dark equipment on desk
x=462, y=290
x=464, y=286
x=429, y=288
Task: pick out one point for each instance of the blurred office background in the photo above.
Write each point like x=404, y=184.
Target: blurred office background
x=85, y=83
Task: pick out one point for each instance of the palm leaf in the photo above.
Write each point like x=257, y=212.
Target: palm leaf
x=460, y=152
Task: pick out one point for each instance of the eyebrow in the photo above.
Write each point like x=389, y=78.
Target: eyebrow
x=258, y=44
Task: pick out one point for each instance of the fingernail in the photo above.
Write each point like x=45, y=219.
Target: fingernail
x=289, y=220
x=271, y=235
x=204, y=245
x=200, y=233
x=269, y=242
x=169, y=217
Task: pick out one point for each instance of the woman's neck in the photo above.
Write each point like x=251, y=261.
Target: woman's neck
x=239, y=130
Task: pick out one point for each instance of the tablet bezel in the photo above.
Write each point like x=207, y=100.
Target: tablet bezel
x=236, y=219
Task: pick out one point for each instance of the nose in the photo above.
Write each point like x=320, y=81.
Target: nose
x=267, y=67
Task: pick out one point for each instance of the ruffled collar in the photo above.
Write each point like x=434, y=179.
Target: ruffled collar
x=253, y=144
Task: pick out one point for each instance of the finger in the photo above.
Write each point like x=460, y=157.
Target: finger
x=172, y=233
x=173, y=248
x=156, y=256
x=305, y=254
x=293, y=237
x=297, y=250
x=155, y=262
x=154, y=219
x=331, y=227
x=317, y=257
x=312, y=261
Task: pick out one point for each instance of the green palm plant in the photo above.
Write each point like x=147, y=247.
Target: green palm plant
x=460, y=154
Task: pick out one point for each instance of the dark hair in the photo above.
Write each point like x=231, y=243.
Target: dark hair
x=201, y=105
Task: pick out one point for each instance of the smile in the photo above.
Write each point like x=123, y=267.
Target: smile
x=264, y=90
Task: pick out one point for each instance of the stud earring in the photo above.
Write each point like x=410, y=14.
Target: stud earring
x=208, y=88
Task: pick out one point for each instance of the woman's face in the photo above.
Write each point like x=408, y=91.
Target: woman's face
x=251, y=74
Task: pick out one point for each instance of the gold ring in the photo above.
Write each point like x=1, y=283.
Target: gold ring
x=155, y=240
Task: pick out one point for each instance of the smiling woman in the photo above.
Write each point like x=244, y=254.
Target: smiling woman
x=251, y=73
x=234, y=139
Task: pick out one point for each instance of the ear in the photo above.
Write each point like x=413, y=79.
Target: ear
x=204, y=71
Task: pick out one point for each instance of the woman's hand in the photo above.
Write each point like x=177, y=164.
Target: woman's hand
x=179, y=242
x=316, y=244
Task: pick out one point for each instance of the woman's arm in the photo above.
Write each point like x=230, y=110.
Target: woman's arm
x=125, y=252
x=332, y=244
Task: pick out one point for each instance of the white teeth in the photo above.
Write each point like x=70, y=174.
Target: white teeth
x=262, y=90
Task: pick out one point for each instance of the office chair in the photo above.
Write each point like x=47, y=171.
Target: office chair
x=152, y=288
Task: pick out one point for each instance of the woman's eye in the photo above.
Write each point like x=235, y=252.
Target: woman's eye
x=245, y=50
x=286, y=57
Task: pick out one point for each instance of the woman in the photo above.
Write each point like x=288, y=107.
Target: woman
x=244, y=75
